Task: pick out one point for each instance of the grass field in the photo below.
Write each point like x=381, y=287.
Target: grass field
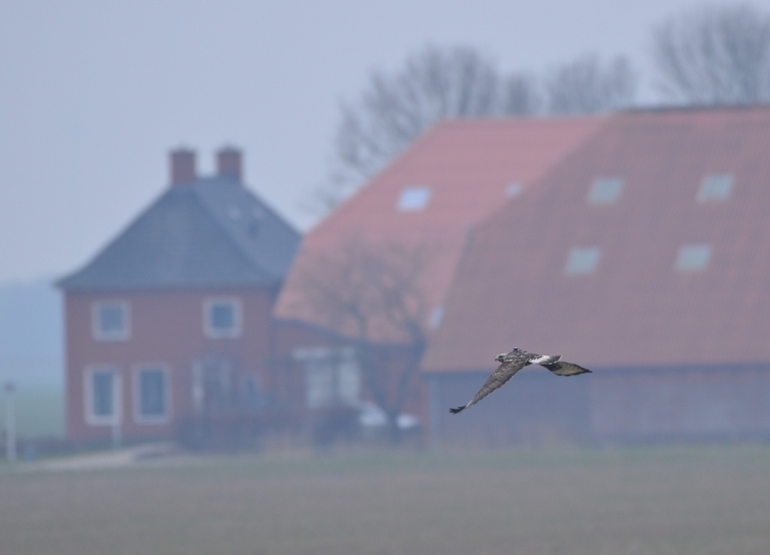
x=665, y=500
x=39, y=411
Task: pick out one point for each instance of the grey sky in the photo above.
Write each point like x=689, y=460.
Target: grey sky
x=95, y=93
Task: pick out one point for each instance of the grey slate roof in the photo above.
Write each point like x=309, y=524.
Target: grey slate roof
x=212, y=233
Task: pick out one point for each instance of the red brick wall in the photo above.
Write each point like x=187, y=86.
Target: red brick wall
x=166, y=328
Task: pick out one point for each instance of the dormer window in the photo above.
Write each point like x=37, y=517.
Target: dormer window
x=715, y=188
x=222, y=318
x=111, y=321
x=605, y=190
x=693, y=258
x=582, y=261
x=413, y=199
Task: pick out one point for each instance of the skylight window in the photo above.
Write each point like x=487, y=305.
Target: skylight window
x=693, y=258
x=582, y=261
x=513, y=189
x=715, y=188
x=605, y=190
x=413, y=198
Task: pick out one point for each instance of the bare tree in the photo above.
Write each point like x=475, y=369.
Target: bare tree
x=373, y=296
x=586, y=86
x=714, y=55
x=439, y=83
x=521, y=95
x=395, y=108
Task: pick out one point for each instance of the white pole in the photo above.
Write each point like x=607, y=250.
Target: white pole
x=10, y=424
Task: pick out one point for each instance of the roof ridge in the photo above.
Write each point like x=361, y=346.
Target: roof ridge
x=695, y=108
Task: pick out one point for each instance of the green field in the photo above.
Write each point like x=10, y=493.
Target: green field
x=696, y=500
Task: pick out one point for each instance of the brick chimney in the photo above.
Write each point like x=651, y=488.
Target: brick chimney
x=229, y=164
x=182, y=166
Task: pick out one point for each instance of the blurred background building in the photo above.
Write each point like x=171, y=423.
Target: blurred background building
x=172, y=319
x=634, y=244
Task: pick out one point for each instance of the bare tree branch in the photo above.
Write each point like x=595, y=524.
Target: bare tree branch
x=521, y=95
x=440, y=83
x=395, y=108
x=374, y=296
x=714, y=56
x=586, y=86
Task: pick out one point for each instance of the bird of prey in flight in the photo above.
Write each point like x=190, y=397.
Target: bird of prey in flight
x=514, y=361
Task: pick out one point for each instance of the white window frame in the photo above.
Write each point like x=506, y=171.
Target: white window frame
x=414, y=199
x=140, y=418
x=215, y=333
x=574, y=267
x=91, y=418
x=100, y=335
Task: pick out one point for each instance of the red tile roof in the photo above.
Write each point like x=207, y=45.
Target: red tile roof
x=635, y=309
x=468, y=165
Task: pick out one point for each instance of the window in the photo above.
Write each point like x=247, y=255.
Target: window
x=605, y=190
x=435, y=316
x=151, y=395
x=110, y=321
x=331, y=377
x=693, y=258
x=222, y=318
x=513, y=189
x=252, y=397
x=212, y=390
x=102, y=396
x=715, y=188
x=582, y=261
x=413, y=198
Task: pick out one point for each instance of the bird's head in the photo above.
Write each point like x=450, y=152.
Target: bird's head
x=500, y=357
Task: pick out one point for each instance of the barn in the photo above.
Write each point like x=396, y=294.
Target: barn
x=643, y=255
x=410, y=222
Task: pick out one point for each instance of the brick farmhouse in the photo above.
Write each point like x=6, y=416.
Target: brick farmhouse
x=172, y=319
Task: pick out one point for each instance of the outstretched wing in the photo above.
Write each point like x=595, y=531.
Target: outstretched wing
x=566, y=369
x=504, y=372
